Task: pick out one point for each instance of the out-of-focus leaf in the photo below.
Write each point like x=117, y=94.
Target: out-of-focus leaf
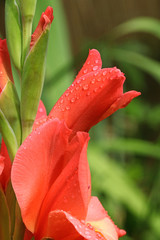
x=134, y=146
x=110, y=177
x=145, y=63
x=140, y=24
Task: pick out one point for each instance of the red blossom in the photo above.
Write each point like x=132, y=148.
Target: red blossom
x=94, y=95
x=51, y=180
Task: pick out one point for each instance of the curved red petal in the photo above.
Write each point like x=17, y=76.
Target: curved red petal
x=5, y=65
x=120, y=102
x=92, y=63
x=62, y=225
x=100, y=220
x=46, y=19
x=88, y=98
x=35, y=163
x=72, y=189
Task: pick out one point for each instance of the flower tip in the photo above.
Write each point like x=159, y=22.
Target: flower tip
x=49, y=13
x=121, y=233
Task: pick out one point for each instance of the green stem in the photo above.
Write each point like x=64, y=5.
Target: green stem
x=27, y=30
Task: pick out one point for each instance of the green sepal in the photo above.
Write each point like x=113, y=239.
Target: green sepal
x=13, y=31
x=5, y=230
x=32, y=82
x=10, y=106
x=8, y=136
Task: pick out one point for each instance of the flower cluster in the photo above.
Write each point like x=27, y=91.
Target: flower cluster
x=46, y=166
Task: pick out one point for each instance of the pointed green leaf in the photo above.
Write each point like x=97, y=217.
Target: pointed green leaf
x=10, y=106
x=8, y=136
x=4, y=218
x=13, y=31
x=32, y=81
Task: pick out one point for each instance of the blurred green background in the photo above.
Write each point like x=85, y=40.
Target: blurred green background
x=124, y=150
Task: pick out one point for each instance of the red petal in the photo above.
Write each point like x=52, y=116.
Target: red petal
x=88, y=98
x=5, y=174
x=62, y=225
x=92, y=63
x=1, y=164
x=41, y=113
x=120, y=102
x=45, y=20
x=99, y=219
x=71, y=191
x=5, y=65
x=38, y=163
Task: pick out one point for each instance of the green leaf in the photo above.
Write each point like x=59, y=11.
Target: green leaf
x=10, y=106
x=13, y=31
x=5, y=231
x=32, y=82
x=133, y=146
x=8, y=136
x=141, y=24
x=144, y=63
x=110, y=177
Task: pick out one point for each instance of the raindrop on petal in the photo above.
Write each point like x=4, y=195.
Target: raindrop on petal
x=95, y=68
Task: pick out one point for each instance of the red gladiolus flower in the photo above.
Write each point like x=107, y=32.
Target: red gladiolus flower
x=51, y=180
x=94, y=95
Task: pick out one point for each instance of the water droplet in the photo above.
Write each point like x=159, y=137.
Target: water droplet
x=88, y=93
x=40, y=110
x=72, y=85
x=67, y=107
x=61, y=101
x=101, y=86
x=66, y=94
x=95, y=68
x=77, y=88
x=104, y=73
x=71, y=91
x=85, y=71
x=83, y=78
x=93, y=81
x=96, y=74
x=78, y=81
x=96, y=61
x=24, y=147
x=99, y=79
x=72, y=100
x=38, y=133
x=85, y=87
x=88, y=62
